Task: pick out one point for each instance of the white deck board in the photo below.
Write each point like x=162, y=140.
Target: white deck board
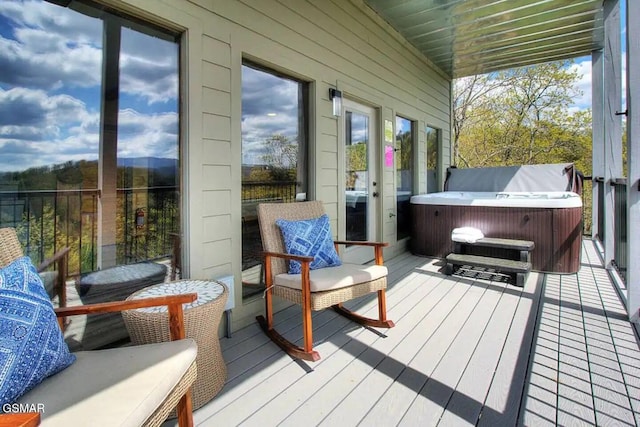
x=501, y=407
x=321, y=380
x=464, y=352
x=428, y=407
x=465, y=405
x=539, y=402
x=396, y=367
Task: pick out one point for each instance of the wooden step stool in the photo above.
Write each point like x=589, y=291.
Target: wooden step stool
x=519, y=267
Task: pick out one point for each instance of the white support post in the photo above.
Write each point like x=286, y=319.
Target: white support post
x=633, y=156
x=612, y=121
x=597, y=154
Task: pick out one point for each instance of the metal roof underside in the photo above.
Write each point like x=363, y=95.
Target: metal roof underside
x=467, y=37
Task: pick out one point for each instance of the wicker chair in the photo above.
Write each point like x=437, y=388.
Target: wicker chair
x=137, y=385
x=345, y=282
x=54, y=281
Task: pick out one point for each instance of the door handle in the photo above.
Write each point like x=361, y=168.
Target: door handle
x=375, y=194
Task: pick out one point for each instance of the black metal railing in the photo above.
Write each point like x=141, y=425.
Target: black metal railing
x=254, y=193
x=49, y=220
x=620, y=225
x=587, y=206
x=620, y=243
x=284, y=191
x=150, y=219
x=52, y=219
x=599, y=204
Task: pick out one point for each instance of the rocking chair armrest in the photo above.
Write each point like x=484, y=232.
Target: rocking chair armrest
x=361, y=243
x=20, y=419
x=174, y=303
x=107, y=307
x=291, y=257
x=377, y=247
x=55, y=258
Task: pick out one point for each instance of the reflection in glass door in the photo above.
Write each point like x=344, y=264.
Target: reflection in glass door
x=404, y=175
x=360, y=186
x=356, y=171
x=274, y=157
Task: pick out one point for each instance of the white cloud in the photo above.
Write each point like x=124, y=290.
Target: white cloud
x=142, y=135
x=26, y=108
x=583, y=86
x=583, y=67
x=51, y=60
x=149, y=67
x=53, y=47
x=60, y=129
x=269, y=107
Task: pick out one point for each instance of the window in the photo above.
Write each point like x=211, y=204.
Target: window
x=433, y=156
x=274, y=155
x=404, y=175
x=89, y=133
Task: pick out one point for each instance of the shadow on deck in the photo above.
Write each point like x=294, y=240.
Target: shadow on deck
x=464, y=352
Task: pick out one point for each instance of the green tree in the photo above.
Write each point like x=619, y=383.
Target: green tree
x=520, y=116
x=281, y=154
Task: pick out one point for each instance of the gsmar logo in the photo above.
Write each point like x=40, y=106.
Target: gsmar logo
x=9, y=408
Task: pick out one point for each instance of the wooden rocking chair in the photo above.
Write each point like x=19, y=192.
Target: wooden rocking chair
x=314, y=289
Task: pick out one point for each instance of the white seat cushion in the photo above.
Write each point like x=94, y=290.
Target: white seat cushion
x=325, y=279
x=114, y=387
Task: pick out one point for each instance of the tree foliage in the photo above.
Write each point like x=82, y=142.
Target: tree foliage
x=356, y=163
x=521, y=116
x=281, y=154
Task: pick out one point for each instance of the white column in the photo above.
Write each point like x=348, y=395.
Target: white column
x=597, y=154
x=633, y=156
x=612, y=122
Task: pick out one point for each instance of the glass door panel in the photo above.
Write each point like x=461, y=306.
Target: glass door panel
x=359, y=145
x=356, y=175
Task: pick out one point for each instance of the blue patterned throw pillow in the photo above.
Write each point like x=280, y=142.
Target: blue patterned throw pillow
x=31, y=344
x=309, y=237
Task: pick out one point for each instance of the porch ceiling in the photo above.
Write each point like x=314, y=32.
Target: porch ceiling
x=467, y=37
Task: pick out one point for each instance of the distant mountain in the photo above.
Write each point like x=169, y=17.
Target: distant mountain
x=83, y=174
x=148, y=162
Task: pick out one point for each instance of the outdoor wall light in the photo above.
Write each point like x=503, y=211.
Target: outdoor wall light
x=336, y=97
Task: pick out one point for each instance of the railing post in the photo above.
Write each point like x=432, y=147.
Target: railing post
x=597, y=171
x=620, y=226
x=612, y=121
x=633, y=158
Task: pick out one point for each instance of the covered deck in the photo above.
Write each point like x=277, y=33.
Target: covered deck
x=465, y=351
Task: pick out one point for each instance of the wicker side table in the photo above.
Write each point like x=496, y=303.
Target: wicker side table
x=201, y=318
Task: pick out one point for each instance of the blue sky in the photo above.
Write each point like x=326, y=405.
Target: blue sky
x=583, y=67
x=267, y=110
x=51, y=60
x=50, y=85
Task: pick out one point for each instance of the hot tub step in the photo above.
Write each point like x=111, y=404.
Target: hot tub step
x=523, y=247
x=519, y=269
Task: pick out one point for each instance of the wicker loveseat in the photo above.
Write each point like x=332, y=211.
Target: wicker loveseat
x=127, y=386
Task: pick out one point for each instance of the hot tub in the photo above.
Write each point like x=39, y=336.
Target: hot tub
x=553, y=220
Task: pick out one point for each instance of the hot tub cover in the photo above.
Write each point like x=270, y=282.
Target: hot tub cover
x=546, y=177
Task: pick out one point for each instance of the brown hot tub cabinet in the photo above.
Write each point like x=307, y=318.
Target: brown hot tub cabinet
x=556, y=228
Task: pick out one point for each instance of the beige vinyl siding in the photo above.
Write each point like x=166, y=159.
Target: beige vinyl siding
x=327, y=43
